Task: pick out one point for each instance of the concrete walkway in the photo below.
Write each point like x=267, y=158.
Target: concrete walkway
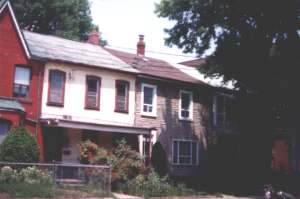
x=124, y=196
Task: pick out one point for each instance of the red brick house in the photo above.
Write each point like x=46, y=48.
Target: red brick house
x=20, y=77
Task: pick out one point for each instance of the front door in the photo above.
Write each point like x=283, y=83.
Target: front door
x=280, y=155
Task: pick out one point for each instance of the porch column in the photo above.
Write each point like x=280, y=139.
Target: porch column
x=141, y=144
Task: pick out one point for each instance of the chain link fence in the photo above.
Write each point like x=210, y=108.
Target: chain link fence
x=56, y=179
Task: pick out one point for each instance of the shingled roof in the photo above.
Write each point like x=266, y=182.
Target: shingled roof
x=154, y=67
x=51, y=48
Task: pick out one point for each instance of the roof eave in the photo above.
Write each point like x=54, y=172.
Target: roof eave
x=20, y=34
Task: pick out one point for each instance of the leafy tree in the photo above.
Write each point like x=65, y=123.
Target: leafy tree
x=70, y=19
x=257, y=45
x=19, y=146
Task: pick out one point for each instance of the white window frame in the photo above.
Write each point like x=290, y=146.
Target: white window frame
x=154, y=105
x=190, y=108
x=197, y=152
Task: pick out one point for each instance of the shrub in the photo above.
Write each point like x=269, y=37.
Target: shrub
x=33, y=175
x=152, y=185
x=125, y=162
x=29, y=182
x=19, y=146
x=8, y=175
x=159, y=159
x=128, y=164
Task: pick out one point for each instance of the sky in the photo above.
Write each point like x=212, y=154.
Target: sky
x=121, y=21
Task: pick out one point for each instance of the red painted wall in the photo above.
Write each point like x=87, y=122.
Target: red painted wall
x=12, y=53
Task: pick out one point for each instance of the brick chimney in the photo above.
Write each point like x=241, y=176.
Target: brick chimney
x=94, y=37
x=140, y=50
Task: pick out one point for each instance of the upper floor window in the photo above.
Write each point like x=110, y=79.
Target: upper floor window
x=185, y=152
x=56, y=90
x=186, y=105
x=21, y=82
x=92, y=94
x=149, y=100
x=222, y=110
x=4, y=128
x=122, y=96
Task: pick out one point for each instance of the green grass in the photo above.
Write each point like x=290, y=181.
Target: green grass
x=27, y=190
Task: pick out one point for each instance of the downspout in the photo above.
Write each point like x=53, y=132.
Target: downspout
x=38, y=104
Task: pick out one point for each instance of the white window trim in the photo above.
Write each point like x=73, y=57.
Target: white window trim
x=190, y=118
x=197, y=154
x=154, y=111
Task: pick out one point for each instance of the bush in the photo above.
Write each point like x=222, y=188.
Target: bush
x=152, y=185
x=128, y=164
x=125, y=162
x=19, y=146
x=29, y=182
x=159, y=159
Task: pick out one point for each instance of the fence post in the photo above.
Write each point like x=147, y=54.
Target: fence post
x=109, y=181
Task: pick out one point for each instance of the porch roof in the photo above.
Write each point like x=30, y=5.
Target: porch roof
x=11, y=104
x=96, y=127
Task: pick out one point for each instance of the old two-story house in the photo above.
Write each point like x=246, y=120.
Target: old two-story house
x=176, y=104
x=64, y=91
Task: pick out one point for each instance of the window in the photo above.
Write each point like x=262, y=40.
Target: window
x=148, y=100
x=56, y=90
x=21, y=82
x=92, y=93
x=222, y=110
x=4, y=128
x=186, y=105
x=185, y=152
x=122, y=96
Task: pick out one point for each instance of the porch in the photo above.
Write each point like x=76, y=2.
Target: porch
x=62, y=137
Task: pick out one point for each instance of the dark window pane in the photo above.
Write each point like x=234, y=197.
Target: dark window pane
x=4, y=127
x=185, y=149
x=148, y=95
x=185, y=101
x=185, y=114
x=175, y=152
x=194, y=153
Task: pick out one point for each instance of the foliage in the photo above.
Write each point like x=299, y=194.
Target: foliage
x=256, y=44
x=29, y=182
x=152, y=185
x=128, y=163
x=125, y=162
x=159, y=159
x=252, y=38
x=33, y=175
x=19, y=146
x=88, y=151
x=70, y=19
